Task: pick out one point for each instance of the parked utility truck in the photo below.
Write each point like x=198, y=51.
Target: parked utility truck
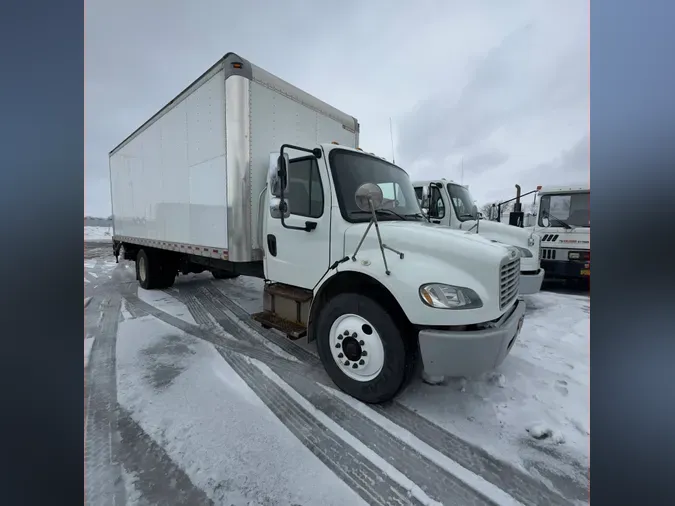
x=450, y=204
x=245, y=174
x=564, y=224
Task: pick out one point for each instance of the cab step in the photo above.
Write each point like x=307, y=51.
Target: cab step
x=269, y=320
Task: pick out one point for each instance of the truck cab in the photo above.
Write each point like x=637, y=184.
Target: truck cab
x=450, y=204
x=352, y=262
x=564, y=224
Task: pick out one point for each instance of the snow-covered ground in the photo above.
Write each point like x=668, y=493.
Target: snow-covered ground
x=97, y=234
x=542, y=390
x=232, y=437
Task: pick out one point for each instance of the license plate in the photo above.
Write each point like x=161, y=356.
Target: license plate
x=585, y=272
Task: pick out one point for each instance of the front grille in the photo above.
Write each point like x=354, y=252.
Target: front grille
x=509, y=282
x=547, y=254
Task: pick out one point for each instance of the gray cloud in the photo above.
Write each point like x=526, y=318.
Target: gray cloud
x=503, y=85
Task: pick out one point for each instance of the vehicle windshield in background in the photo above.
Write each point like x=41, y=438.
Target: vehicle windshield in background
x=461, y=201
x=350, y=170
x=571, y=210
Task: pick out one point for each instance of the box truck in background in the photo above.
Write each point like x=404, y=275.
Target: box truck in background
x=245, y=174
x=450, y=204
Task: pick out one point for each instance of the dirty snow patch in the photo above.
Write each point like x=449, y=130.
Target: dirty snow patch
x=165, y=302
x=540, y=430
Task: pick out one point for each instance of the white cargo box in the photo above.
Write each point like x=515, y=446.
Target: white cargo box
x=190, y=178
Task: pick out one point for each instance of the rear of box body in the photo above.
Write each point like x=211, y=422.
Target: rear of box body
x=192, y=176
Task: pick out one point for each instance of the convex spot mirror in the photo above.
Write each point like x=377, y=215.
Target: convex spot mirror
x=369, y=197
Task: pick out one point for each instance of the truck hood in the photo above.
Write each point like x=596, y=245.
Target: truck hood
x=437, y=241
x=501, y=232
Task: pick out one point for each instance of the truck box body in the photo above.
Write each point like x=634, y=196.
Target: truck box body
x=190, y=178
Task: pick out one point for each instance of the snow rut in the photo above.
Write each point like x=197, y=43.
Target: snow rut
x=368, y=480
x=103, y=479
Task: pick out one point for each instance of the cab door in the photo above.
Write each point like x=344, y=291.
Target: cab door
x=299, y=257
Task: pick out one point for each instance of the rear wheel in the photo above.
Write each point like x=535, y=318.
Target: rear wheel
x=362, y=348
x=151, y=272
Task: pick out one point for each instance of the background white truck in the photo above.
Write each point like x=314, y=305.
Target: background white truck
x=450, y=204
x=236, y=175
x=564, y=224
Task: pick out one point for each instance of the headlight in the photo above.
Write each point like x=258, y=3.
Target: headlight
x=443, y=296
x=524, y=252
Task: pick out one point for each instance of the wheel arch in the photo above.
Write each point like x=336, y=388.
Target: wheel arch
x=357, y=282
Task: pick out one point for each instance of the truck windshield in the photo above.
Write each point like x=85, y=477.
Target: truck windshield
x=566, y=210
x=461, y=202
x=350, y=170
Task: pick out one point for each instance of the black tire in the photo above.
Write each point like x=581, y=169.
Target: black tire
x=224, y=274
x=146, y=270
x=399, y=352
x=157, y=274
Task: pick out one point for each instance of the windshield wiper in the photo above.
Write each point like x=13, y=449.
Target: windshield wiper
x=468, y=216
x=377, y=211
x=561, y=221
x=417, y=215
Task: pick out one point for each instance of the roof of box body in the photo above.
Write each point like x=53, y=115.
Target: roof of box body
x=254, y=73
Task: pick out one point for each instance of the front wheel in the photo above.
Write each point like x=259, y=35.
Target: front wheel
x=362, y=348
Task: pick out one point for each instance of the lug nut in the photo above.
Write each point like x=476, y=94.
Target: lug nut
x=346, y=362
x=340, y=355
x=346, y=333
x=364, y=353
x=337, y=345
x=362, y=342
x=355, y=366
x=354, y=335
x=340, y=337
x=361, y=362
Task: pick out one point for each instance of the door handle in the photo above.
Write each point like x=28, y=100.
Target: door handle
x=436, y=221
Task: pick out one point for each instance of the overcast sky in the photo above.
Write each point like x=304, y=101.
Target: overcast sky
x=503, y=85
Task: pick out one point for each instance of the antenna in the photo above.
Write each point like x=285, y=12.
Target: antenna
x=462, y=180
x=391, y=135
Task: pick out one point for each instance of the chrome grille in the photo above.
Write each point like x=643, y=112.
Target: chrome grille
x=509, y=282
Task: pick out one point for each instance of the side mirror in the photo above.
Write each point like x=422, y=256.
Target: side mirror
x=426, y=192
x=279, y=208
x=369, y=197
x=277, y=175
x=474, y=211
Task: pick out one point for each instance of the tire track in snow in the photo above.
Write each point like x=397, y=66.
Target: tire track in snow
x=221, y=299
x=136, y=306
x=160, y=479
x=366, y=479
x=435, y=481
x=103, y=478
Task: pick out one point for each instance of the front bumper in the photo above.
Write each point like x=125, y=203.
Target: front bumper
x=467, y=353
x=567, y=269
x=531, y=283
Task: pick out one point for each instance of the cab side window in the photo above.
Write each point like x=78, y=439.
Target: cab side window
x=305, y=192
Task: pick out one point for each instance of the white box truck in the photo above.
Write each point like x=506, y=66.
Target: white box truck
x=450, y=204
x=243, y=173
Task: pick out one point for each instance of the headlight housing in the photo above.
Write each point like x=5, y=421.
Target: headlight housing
x=524, y=252
x=441, y=296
